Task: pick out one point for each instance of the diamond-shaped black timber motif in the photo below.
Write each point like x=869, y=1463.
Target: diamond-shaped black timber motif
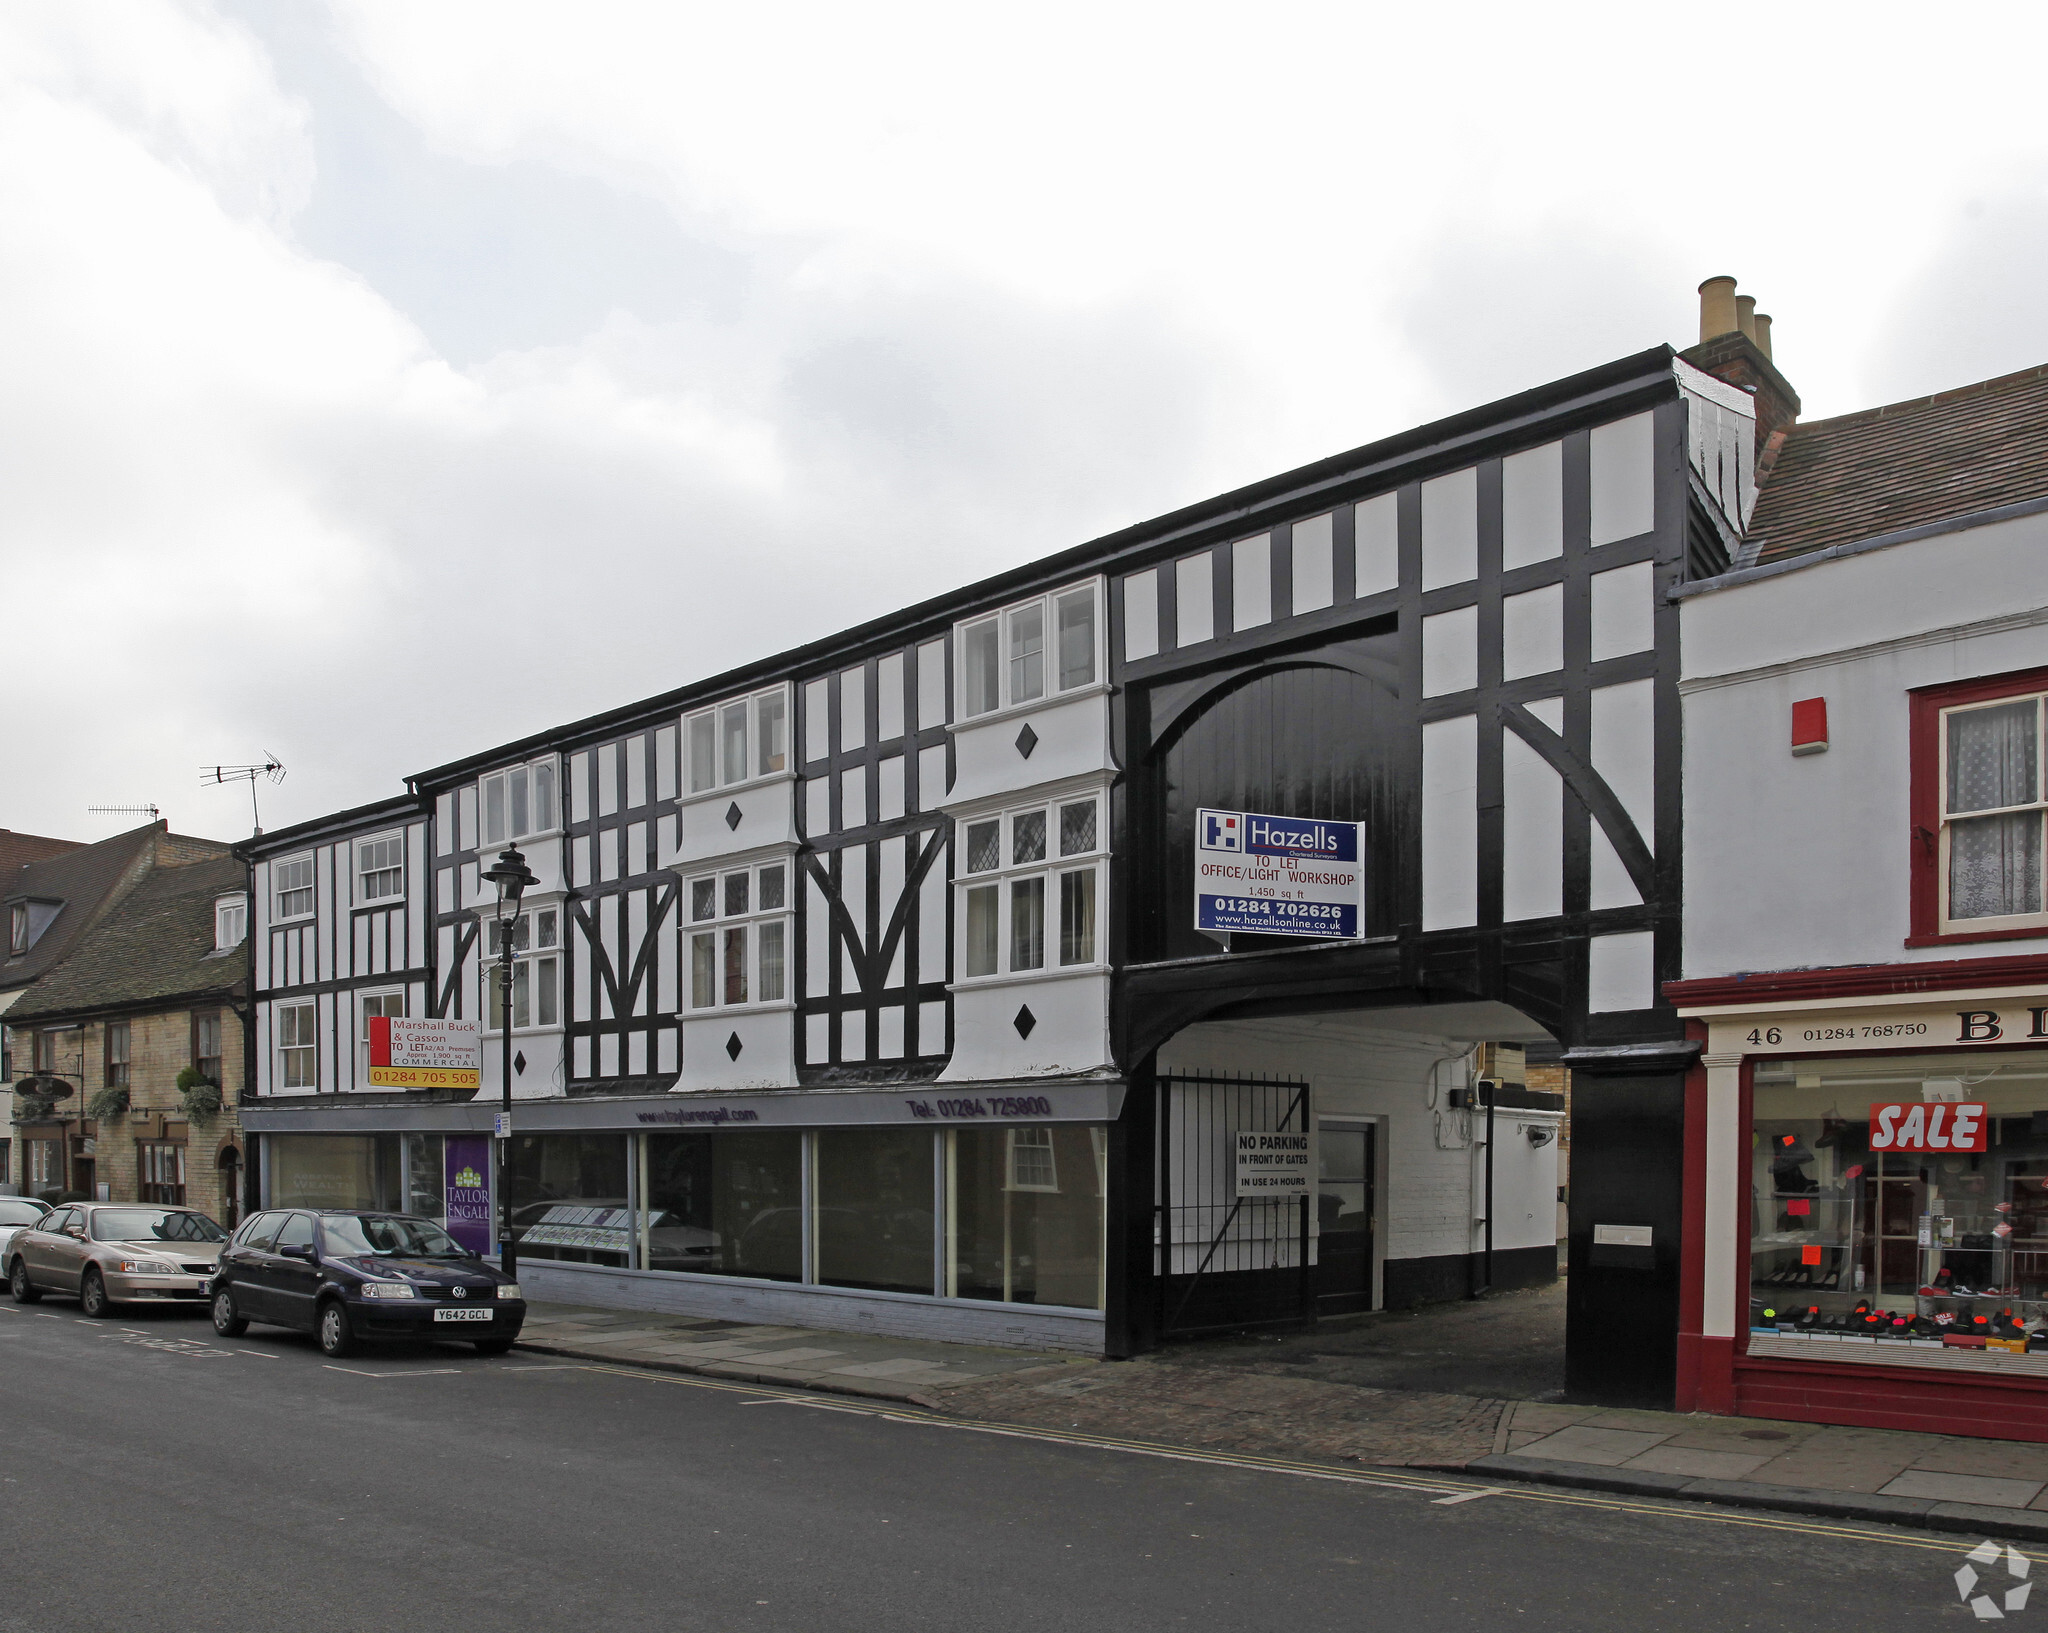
x=733, y=1046
x=519, y=1063
x=1025, y=1021
x=732, y=814
x=1027, y=740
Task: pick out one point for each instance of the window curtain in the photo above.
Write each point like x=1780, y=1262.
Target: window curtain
x=1994, y=761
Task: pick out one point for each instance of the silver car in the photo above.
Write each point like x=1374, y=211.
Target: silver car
x=108, y=1253
x=15, y=1212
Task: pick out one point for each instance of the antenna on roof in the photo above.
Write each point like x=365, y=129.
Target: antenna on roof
x=149, y=811
x=271, y=767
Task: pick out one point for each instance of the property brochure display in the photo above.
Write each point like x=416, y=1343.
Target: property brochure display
x=410, y=1054
x=1279, y=876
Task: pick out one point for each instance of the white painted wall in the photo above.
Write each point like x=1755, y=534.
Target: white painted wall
x=1802, y=862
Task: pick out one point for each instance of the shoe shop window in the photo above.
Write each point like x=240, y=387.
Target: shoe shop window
x=1902, y=1200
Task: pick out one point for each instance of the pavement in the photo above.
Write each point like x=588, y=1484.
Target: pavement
x=1473, y=1388
x=161, y=1479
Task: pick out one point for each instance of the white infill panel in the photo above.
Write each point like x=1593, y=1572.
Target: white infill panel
x=1450, y=823
x=1141, y=616
x=1624, y=479
x=1532, y=506
x=1251, y=582
x=1450, y=652
x=1620, y=973
x=1623, y=611
x=931, y=684
x=1312, y=567
x=1450, y=529
x=1194, y=608
x=1532, y=841
x=1376, y=545
x=1532, y=632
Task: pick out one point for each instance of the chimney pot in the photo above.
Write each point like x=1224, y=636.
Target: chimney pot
x=1762, y=337
x=1717, y=308
x=1745, y=314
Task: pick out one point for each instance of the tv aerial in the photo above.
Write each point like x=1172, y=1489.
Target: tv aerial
x=269, y=769
x=149, y=811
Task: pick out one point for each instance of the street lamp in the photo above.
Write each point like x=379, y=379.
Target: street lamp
x=511, y=875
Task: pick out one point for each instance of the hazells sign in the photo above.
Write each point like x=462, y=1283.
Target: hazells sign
x=1272, y=1165
x=1279, y=876
x=1919, y=1126
x=409, y=1054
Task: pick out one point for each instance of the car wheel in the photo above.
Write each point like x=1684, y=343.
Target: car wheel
x=24, y=1290
x=493, y=1346
x=335, y=1338
x=226, y=1321
x=92, y=1295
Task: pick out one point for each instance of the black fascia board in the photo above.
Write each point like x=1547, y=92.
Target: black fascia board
x=339, y=822
x=1418, y=452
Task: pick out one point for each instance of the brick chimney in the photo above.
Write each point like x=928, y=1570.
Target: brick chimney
x=1735, y=345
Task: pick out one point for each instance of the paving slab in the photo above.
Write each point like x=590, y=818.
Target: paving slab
x=1582, y=1443
x=1963, y=1488
x=1703, y=1465
x=2004, y=1459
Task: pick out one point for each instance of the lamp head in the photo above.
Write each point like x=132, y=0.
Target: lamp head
x=511, y=876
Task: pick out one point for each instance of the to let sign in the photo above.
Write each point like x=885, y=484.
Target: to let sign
x=409, y=1054
x=1938, y=1126
x=1272, y=1164
x=1279, y=876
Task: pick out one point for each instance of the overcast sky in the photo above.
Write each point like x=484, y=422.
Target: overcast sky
x=379, y=382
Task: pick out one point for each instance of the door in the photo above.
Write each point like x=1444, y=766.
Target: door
x=248, y=1261
x=1345, y=1207
x=64, y=1253
x=38, y=1244
x=291, y=1282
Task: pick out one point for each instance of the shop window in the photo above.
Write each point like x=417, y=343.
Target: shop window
x=567, y=1193
x=334, y=1171
x=1903, y=1198
x=1980, y=800
x=736, y=936
x=298, y=1048
x=1036, y=649
x=160, y=1171
x=1027, y=1210
x=875, y=1209
x=1029, y=883
x=520, y=802
x=117, y=1054
x=292, y=884
x=736, y=742
x=724, y=1204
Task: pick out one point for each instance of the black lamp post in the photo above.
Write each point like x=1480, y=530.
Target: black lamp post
x=511, y=875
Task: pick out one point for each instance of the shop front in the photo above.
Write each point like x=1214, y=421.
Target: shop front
x=973, y=1215
x=1867, y=1200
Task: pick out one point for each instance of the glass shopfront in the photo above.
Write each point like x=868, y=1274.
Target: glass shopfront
x=1027, y=1214
x=724, y=1204
x=568, y=1197
x=334, y=1171
x=1902, y=1200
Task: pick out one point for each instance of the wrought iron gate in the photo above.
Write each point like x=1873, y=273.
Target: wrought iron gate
x=1225, y=1261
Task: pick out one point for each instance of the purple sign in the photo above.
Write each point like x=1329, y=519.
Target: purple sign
x=466, y=1191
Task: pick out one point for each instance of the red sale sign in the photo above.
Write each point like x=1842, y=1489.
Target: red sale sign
x=1940, y=1126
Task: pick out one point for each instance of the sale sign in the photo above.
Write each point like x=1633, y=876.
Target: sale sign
x=421, y=1054
x=1940, y=1126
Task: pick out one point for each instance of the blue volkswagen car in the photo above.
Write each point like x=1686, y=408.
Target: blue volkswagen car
x=348, y=1276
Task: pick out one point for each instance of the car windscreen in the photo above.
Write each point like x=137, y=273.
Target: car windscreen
x=384, y=1237
x=14, y=1211
x=154, y=1225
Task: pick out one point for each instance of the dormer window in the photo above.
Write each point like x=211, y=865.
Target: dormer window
x=230, y=921
x=1038, y=648
x=17, y=929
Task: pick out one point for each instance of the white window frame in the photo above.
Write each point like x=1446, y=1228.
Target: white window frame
x=1052, y=868
x=17, y=929
x=537, y=971
x=1012, y=668
x=2038, y=806
x=364, y=873
x=230, y=913
x=503, y=783
x=751, y=921
x=378, y=996
x=304, y=1044
x=278, y=890
x=754, y=754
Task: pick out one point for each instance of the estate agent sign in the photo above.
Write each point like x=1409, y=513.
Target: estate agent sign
x=410, y=1054
x=1279, y=876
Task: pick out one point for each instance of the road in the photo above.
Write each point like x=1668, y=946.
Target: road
x=157, y=1478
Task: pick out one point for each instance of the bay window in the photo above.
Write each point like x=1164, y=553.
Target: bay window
x=536, y=979
x=736, y=936
x=1028, y=885
x=1039, y=648
x=736, y=742
x=520, y=802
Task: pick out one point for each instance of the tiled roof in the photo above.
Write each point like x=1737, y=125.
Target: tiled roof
x=82, y=880
x=18, y=850
x=1857, y=476
x=157, y=944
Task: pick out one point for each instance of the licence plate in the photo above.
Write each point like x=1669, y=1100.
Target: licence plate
x=467, y=1312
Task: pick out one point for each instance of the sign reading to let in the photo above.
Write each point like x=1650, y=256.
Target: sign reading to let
x=1272, y=1165
x=410, y=1054
x=1279, y=876
x=1922, y=1126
